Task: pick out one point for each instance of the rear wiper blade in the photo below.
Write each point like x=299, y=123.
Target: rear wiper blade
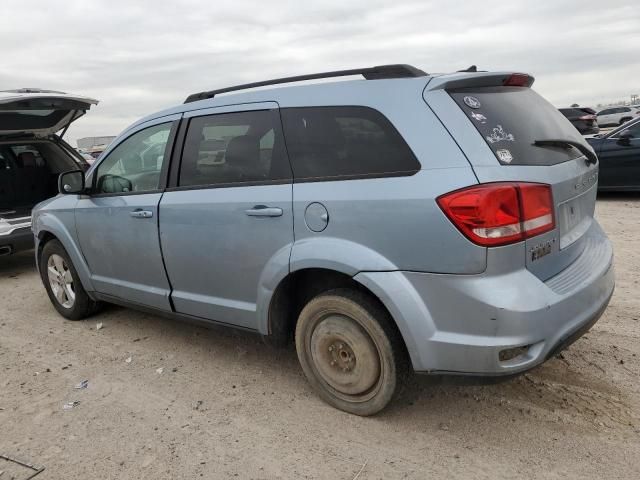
x=553, y=142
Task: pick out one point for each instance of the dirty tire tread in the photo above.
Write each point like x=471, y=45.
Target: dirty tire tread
x=396, y=350
x=83, y=306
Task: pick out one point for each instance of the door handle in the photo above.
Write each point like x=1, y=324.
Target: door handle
x=141, y=214
x=264, y=211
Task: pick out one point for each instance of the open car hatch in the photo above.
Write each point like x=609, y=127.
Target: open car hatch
x=40, y=113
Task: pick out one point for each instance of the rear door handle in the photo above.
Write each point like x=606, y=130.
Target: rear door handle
x=141, y=213
x=264, y=211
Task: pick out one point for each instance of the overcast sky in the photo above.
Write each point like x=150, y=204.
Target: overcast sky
x=139, y=57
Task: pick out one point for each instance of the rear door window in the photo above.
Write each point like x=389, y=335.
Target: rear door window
x=343, y=143
x=511, y=119
x=230, y=148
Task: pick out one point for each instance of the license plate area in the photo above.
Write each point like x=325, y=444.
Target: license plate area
x=574, y=217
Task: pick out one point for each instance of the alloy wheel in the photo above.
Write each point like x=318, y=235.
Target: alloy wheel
x=61, y=281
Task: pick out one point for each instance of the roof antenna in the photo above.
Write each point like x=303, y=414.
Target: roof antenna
x=472, y=68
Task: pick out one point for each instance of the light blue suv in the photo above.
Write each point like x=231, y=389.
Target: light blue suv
x=439, y=223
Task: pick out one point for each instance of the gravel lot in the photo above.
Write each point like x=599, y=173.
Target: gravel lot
x=226, y=405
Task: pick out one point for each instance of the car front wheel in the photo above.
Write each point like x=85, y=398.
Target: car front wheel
x=350, y=351
x=63, y=286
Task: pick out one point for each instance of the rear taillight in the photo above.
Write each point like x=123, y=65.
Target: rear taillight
x=518, y=80
x=495, y=214
x=587, y=117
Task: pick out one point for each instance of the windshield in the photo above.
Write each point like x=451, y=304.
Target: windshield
x=511, y=119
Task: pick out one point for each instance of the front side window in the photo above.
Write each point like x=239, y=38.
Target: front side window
x=344, y=142
x=229, y=148
x=135, y=164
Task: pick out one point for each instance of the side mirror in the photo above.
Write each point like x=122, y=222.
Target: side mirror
x=625, y=138
x=71, y=182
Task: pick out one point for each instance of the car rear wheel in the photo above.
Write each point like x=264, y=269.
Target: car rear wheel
x=350, y=351
x=63, y=286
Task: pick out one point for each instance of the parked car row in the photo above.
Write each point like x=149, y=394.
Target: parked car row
x=588, y=122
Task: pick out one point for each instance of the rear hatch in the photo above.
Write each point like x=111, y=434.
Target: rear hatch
x=510, y=133
x=39, y=113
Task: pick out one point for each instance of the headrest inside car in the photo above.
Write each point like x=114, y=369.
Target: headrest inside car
x=243, y=150
x=26, y=159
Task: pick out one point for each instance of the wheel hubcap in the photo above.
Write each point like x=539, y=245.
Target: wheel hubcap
x=61, y=281
x=344, y=355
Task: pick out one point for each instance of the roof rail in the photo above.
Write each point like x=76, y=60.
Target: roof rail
x=371, y=73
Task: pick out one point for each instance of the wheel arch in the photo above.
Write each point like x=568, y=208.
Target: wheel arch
x=53, y=229
x=298, y=287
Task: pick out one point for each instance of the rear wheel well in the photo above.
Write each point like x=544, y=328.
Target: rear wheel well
x=296, y=290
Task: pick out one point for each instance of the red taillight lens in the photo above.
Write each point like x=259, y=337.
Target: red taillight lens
x=587, y=117
x=517, y=80
x=500, y=213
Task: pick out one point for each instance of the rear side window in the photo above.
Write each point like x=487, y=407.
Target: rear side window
x=344, y=142
x=511, y=119
x=230, y=148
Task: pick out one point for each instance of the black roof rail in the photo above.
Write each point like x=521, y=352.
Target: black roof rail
x=371, y=73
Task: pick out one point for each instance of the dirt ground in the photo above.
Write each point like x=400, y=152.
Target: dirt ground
x=227, y=406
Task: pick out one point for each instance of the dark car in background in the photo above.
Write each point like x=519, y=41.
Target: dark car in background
x=583, y=118
x=619, y=154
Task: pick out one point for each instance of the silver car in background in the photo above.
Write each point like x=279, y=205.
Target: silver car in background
x=403, y=221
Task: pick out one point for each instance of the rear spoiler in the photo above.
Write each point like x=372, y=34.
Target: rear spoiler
x=480, y=79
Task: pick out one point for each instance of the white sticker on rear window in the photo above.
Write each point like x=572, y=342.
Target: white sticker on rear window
x=504, y=155
x=479, y=117
x=498, y=135
x=472, y=102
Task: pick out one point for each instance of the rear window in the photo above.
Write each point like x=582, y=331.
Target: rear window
x=28, y=156
x=510, y=119
x=344, y=142
x=575, y=112
x=30, y=119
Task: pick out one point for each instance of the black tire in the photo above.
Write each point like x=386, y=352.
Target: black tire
x=624, y=120
x=82, y=306
x=351, y=351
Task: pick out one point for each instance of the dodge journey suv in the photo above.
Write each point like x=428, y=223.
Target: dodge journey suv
x=390, y=223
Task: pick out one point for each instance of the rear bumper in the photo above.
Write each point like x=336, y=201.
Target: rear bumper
x=462, y=323
x=16, y=241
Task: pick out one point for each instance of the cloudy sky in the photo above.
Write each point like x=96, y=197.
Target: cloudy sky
x=137, y=57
